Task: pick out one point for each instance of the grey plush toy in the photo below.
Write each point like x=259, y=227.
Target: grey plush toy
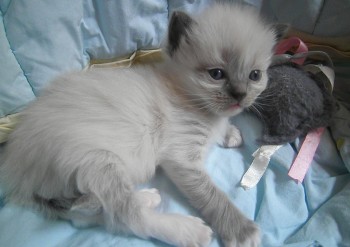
x=294, y=103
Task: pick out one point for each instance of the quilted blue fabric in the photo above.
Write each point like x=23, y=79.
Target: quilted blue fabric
x=41, y=39
x=15, y=91
x=314, y=213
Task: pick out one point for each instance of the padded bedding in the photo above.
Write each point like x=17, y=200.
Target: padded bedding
x=41, y=39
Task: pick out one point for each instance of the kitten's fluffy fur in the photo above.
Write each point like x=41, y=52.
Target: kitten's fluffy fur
x=91, y=137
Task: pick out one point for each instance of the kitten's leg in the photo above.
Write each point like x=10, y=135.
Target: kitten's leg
x=233, y=137
x=228, y=136
x=124, y=209
x=86, y=211
x=234, y=229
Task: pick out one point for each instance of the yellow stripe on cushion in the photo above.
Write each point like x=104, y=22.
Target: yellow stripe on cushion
x=7, y=124
x=138, y=57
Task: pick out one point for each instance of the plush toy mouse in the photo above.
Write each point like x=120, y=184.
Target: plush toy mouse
x=297, y=102
x=297, y=98
x=294, y=103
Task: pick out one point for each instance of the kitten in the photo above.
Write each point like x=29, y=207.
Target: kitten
x=92, y=137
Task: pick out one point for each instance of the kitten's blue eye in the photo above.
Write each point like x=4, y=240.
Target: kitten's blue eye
x=217, y=74
x=255, y=75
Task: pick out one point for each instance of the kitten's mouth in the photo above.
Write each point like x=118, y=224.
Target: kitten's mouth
x=233, y=107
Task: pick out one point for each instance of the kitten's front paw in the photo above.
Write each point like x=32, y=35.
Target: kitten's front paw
x=193, y=232
x=247, y=236
x=233, y=137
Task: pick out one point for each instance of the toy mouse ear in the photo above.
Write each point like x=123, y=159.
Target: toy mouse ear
x=281, y=30
x=178, y=28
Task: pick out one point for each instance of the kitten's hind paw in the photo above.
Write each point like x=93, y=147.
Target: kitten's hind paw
x=149, y=198
x=248, y=236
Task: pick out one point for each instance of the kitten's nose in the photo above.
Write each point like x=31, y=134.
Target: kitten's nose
x=238, y=92
x=238, y=95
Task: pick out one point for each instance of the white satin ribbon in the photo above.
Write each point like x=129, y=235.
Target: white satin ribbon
x=257, y=169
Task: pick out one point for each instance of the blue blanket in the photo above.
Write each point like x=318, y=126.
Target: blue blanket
x=41, y=39
x=314, y=213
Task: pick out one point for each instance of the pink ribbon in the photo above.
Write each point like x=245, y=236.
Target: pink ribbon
x=306, y=154
x=292, y=45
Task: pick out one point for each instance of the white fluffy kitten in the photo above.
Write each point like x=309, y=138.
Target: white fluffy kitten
x=91, y=137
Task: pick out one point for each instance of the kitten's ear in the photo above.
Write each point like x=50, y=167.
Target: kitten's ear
x=178, y=28
x=281, y=30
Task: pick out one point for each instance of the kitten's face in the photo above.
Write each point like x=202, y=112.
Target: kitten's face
x=222, y=57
